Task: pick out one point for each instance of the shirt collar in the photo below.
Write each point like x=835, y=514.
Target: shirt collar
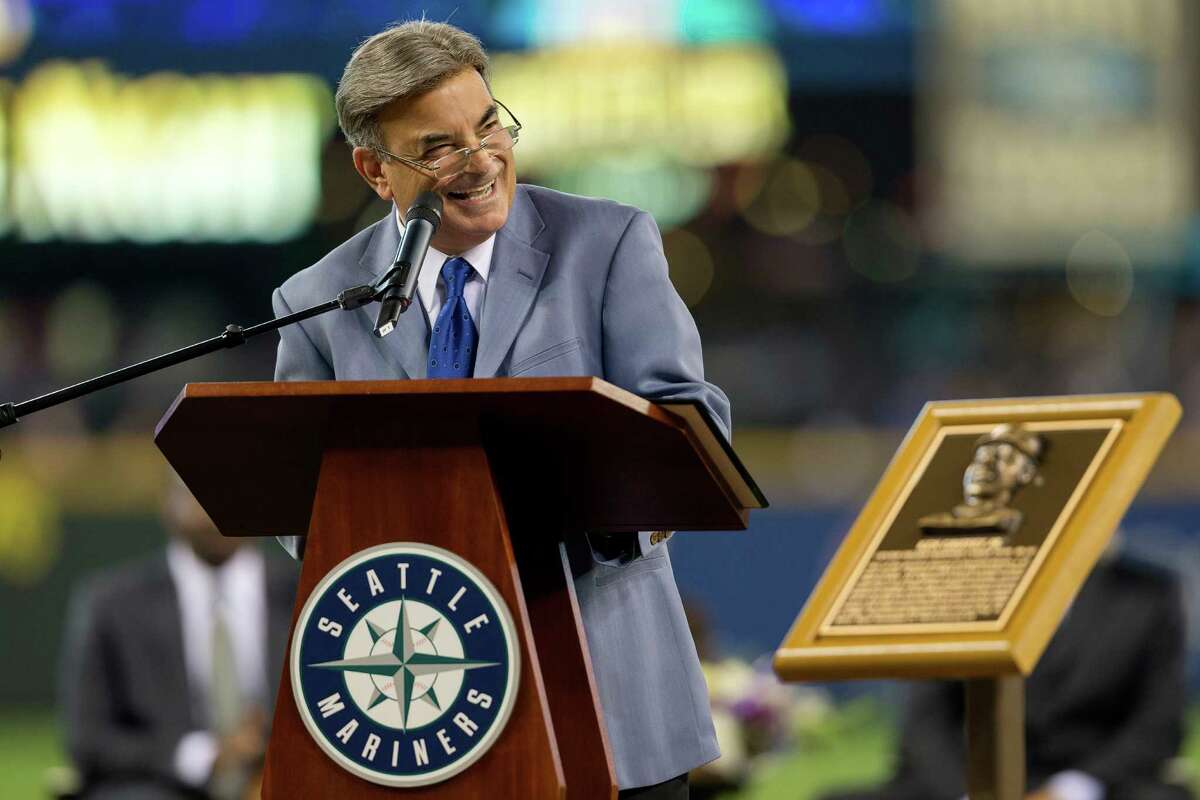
x=189, y=569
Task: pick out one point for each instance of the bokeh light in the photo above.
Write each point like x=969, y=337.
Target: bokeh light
x=842, y=17
x=778, y=199
x=1100, y=274
x=702, y=106
x=841, y=158
x=5, y=213
x=98, y=156
x=708, y=21
x=691, y=264
x=564, y=22
x=835, y=203
x=835, y=198
x=557, y=23
x=672, y=193
x=29, y=529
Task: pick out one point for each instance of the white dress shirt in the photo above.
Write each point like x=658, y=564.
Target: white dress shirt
x=236, y=589
x=1072, y=785
x=1075, y=785
x=432, y=291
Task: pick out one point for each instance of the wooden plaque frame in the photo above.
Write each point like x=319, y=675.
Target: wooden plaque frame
x=1130, y=431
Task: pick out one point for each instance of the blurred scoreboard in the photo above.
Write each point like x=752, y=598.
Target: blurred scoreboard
x=207, y=120
x=93, y=155
x=1044, y=120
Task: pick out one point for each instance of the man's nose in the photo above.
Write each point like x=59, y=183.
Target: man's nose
x=479, y=161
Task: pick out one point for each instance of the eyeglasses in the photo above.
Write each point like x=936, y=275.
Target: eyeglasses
x=454, y=163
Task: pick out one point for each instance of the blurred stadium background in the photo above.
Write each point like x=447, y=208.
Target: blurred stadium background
x=866, y=203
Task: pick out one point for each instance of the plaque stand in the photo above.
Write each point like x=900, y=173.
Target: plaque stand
x=996, y=738
x=994, y=605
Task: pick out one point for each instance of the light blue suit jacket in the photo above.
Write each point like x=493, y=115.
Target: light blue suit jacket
x=577, y=286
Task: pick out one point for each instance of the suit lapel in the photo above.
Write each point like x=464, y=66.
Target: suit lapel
x=513, y=282
x=407, y=347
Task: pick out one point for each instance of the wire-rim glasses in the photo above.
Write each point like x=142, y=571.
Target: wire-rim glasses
x=494, y=142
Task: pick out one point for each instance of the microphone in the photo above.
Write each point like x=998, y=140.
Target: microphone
x=396, y=291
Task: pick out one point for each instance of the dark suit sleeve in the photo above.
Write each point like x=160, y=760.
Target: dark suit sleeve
x=933, y=742
x=1153, y=730
x=100, y=742
x=651, y=345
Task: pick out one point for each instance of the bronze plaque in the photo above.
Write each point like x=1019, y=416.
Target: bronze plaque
x=979, y=534
x=940, y=570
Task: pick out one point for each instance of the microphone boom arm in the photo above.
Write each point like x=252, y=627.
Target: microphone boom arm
x=232, y=336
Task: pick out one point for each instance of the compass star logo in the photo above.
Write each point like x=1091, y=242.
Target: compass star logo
x=405, y=664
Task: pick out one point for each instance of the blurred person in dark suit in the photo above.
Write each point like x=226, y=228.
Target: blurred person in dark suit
x=1104, y=707
x=171, y=663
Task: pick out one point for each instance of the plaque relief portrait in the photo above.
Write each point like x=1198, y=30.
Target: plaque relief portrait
x=1006, y=459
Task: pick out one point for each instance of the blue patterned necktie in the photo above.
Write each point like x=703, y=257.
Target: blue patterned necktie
x=453, y=344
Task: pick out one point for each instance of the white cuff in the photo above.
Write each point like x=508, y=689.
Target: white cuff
x=644, y=542
x=194, y=757
x=648, y=540
x=1075, y=785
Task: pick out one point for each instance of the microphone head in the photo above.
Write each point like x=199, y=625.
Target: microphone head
x=427, y=206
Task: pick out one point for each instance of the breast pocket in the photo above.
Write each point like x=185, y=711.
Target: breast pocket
x=541, y=359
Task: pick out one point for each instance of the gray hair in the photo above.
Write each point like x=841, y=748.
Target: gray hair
x=402, y=61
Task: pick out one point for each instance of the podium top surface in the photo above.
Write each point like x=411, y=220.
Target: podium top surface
x=251, y=452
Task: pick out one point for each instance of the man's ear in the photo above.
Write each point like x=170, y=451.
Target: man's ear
x=368, y=165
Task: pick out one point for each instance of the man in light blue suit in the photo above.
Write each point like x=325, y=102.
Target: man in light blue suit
x=521, y=281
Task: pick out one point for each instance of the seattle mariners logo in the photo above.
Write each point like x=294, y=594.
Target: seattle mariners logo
x=405, y=664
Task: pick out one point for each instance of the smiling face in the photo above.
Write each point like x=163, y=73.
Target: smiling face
x=456, y=113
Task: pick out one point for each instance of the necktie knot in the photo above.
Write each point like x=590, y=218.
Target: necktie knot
x=454, y=274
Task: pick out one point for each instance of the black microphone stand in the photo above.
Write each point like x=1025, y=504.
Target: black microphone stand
x=232, y=336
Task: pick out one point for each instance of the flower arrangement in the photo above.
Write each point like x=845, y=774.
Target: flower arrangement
x=756, y=716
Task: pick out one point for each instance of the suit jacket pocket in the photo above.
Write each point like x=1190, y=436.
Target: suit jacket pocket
x=606, y=573
x=558, y=350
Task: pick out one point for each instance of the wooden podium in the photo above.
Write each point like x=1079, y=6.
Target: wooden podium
x=505, y=473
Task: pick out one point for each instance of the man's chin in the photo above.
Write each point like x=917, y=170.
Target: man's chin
x=467, y=221
x=470, y=229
